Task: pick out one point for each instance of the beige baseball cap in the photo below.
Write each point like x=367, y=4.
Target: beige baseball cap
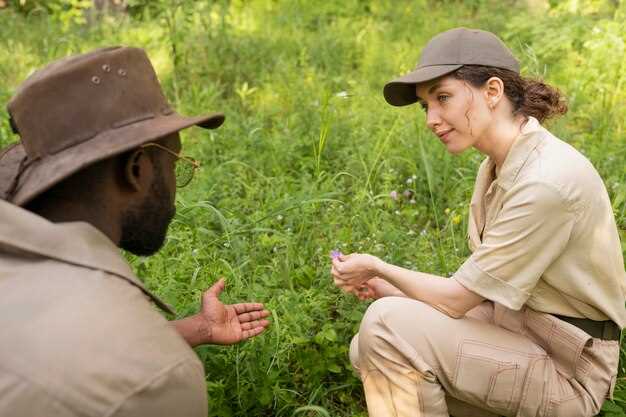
x=447, y=52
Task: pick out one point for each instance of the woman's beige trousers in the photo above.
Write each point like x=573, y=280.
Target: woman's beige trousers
x=416, y=361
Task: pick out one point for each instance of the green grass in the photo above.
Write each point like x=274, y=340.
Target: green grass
x=310, y=152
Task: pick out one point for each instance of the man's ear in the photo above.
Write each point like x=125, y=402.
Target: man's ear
x=135, y=170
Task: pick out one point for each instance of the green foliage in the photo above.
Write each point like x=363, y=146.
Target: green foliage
x=310, y=152
x=65, y=12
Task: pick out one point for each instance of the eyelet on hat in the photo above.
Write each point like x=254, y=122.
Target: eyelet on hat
x=106, y=68
x=121, y=72
x=95, y=79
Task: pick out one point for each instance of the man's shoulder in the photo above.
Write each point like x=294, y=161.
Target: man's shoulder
x=86, y=335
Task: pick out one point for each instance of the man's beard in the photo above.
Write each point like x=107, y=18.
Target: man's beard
x=144, y=226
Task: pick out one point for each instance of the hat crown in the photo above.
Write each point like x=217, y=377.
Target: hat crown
x=463, y=46
x=74, y=99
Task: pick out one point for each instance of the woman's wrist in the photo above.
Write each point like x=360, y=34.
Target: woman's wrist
x=377, y=268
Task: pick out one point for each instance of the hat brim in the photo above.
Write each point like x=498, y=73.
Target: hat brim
x=401, y=91
x=46, y=172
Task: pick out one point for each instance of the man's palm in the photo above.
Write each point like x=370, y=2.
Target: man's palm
x=232, y=323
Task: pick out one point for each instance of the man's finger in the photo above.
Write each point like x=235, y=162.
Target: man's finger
x=247, y=307
x=216, y=289
x=254, y=324
x=247, y=334
x=254, y=315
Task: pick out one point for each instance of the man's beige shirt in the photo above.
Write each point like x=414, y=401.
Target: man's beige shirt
x=543, y=233
x=78, y=334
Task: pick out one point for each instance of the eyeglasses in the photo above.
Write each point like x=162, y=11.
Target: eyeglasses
x=185, y=170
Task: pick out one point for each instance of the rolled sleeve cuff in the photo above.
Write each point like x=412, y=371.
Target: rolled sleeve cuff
x=492, y=288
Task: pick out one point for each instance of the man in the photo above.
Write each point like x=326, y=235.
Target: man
x=95, y=170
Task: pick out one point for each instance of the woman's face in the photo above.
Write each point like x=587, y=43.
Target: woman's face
x=456, y=112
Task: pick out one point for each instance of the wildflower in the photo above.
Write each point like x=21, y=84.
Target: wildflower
x=394, y=195
x=342, y=94
x=407, y=194
x=412, y=201
x=447, y=210
x=334, y=254
x=279, y=217
x=409, y=180
x=456, y=219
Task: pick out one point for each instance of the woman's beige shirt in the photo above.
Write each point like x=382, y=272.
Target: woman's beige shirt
x=543, y=233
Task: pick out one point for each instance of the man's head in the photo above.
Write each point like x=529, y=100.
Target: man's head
x=145, y=220
x=130, y=195
x=102, y=148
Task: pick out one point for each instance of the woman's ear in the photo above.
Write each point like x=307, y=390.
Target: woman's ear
x=494, y=90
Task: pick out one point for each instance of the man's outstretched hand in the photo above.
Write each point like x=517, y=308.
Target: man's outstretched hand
x=221, y=324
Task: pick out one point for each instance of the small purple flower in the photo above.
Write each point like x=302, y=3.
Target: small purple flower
x=394, y=195
x=335, y=254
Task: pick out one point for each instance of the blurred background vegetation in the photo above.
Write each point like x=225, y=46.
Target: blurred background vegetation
x=310, y=154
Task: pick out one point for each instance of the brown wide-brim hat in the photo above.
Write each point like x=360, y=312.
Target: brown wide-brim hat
x=81, y=110
x=446, y=53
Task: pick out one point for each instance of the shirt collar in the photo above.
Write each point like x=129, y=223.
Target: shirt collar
x=77, y=243
x=522, y=147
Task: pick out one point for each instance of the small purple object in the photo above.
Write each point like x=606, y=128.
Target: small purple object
x=334, y=254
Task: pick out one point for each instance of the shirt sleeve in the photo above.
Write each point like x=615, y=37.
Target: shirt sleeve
x=176, y=392
x=530, y=232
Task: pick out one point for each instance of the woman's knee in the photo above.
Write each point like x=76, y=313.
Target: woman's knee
x=384, y=317
x=354, y=353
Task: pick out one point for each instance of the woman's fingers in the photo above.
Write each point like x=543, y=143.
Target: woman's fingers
x=338, y=267
x=341, y=273
x=343, y=285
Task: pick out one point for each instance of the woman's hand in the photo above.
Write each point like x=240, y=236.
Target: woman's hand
x=351, y=271
x=376, y=288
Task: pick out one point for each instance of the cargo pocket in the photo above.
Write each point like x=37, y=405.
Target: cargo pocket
x=488, y=375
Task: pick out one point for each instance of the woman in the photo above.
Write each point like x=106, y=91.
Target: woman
x=529, y=325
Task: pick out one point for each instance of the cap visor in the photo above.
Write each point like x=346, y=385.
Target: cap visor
x=401, y=91
x=52, y=169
